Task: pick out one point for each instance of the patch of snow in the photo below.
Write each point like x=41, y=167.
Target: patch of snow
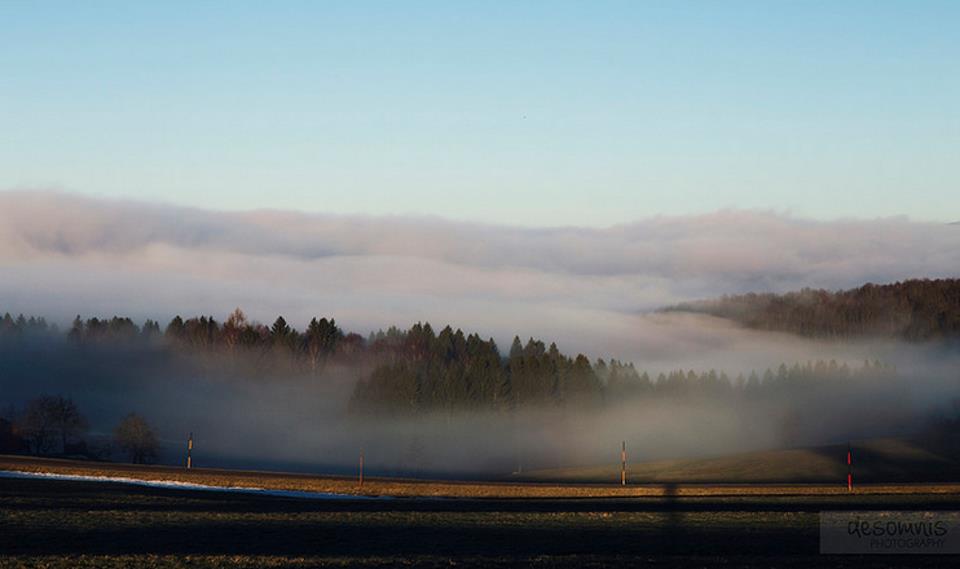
x=176, y=485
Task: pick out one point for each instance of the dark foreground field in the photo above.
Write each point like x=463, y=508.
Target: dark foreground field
x=52, y=523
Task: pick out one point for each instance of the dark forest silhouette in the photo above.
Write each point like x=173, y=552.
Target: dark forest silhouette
x=914, y=310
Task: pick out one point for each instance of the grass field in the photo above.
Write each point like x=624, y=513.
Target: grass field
x=50, y=523
x=57, y=523
x=876, y=461
x=411, y=488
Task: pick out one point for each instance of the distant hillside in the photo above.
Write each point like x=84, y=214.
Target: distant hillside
x=878, y=460
x=915, y=310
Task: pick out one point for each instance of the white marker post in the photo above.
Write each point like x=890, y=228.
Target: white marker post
x=361, y=470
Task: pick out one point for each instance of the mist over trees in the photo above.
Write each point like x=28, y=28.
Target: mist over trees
x=412, y=371
x=411, y=396
x=451, y=371
x=913, y=310
x=53, y=425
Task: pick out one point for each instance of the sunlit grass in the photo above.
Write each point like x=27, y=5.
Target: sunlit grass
x=425, y=488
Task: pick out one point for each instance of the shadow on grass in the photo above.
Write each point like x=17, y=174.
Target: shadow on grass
x=932, y=461
x=40, y=517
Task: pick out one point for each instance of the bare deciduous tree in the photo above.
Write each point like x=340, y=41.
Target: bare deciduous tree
x=52, y=419
x=135, y=436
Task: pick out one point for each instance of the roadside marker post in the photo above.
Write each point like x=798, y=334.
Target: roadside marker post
x=623, y=463
x=849, y=468
x=361, y=469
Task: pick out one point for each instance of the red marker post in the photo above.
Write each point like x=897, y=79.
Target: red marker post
x=849, y=469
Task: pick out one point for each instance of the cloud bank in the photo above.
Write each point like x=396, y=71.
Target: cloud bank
x=63, y=254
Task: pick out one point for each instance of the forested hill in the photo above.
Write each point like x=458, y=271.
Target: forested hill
x=396, y=372
x=915, y=310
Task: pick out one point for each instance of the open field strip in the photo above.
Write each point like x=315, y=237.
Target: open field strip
x=272, y=481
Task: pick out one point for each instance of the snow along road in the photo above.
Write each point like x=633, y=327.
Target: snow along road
x=174, y=485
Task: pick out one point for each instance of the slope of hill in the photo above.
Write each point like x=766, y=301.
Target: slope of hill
x=915, y=310
x=875, y=461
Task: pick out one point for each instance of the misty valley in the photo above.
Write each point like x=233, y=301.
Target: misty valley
x=420, y=402
x=517, y=285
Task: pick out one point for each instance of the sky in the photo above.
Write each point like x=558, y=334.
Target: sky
x=529, y=114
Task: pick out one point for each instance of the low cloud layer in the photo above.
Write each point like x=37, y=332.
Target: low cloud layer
x=63, y=254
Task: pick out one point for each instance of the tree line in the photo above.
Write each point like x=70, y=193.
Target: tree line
x=914, y=310
x=52, y=425
x=450, y=371
x=420, y=370
x=249, y=344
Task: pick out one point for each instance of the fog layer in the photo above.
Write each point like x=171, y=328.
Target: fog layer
x=61, y=254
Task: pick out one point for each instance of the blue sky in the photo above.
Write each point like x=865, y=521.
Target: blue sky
x=532, y=113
